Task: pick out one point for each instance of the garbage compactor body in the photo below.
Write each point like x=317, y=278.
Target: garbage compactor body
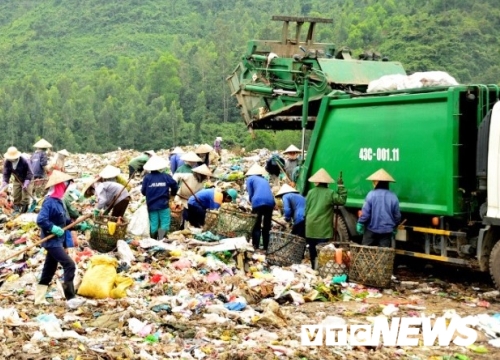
x=441, y=144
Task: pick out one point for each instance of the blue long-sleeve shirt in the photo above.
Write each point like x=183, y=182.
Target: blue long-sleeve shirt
x=23, y=170
x=52, y=213
x=206, y=199
x=259, y=191
x=38, y=161
x=175, y=162
x=157, y=187
x=294, y=206
x=380, y=212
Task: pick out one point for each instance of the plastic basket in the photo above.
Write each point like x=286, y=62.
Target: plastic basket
x=211, y=219
x=100, y=238
x=371, y=265
x=327, y=266
x=175, y=220
x=233, y=223
x=285, y=249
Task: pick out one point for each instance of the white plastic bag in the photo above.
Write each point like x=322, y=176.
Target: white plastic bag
x=139, y=223
x=124, y=252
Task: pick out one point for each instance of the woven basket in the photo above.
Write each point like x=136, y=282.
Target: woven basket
x=100, y=238
x=175, y=220
x=211, y=219
x=285, y=249
x=371, y=265
x=233, y=223
x=327, y=266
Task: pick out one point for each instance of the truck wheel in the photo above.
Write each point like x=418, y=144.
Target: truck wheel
x=494, y=264
x=342, y=232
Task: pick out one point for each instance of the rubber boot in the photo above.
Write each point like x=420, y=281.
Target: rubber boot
x=69, y=290
x=40, y=292
x=161, y=234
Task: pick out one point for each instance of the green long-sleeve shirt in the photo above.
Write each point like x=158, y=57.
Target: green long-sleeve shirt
x=320, y=203
x=68, y=205
x=138, y=162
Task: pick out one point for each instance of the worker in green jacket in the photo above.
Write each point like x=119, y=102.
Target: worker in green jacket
x=190, y=161
x=320, y=203
x=136, y=165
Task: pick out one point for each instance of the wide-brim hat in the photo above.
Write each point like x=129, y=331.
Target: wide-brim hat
x=381, y=175
x=321, y=176
x=203, y=170
x=203, y=149
x=256, y=169
x=291, y=149
x=218, y=138
x=177, y=150
x=87, y=185
x=190, y=157
x=285, y=189
x=156, y=163
x=12, y=153
x=63, y=152
x=109, y=172
x=150, y=152
x=57, y=177
x=42, y=144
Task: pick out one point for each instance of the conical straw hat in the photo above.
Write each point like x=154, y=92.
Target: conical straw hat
x=57, y=177
x=150, y=152
x=285, y=189
x=381, y=175
x=88, y=184
x=256, y=169
x=12, y=153
x=291, y=149
x=177, y=150
x=203, y=149
x=63, y=152
x=42, y=144
x=203, y=170
x=321, y=176
x=191, y=157
x=156, y=163
x=109, y=172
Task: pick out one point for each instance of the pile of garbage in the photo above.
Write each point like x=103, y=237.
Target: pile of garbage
x=197, y=295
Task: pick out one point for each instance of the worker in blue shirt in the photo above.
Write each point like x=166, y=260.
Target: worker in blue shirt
x=262, y=200
x=51, y=220
x=158, y=186
x=294, y=208
x=380, y=214
x=175, y=159
x=207, y=199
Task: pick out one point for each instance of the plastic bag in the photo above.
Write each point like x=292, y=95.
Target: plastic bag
x=100, y=277
x=124, y=252
x=121, y=285
x=139, y=223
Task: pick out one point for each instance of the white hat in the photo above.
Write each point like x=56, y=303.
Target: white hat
x=156, y=163
x=291, y=149
x=285, y=189
x=321, y=176
x=42, y=144
x=256, y=169
x=218, y=138
x=203, y=170
x=57, y=177
x=12, y=153
x=109, y=172
x=381, y=175
x=203, y=149
x=190, y=157
x=63, y=152
x=149, y=152
x=177, y=150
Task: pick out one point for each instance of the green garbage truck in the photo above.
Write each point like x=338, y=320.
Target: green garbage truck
x=440, y=143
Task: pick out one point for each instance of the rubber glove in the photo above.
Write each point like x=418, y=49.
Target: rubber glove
x=84, y=226
x=360, y=228
x=97, y=212
x=25, y=184
x=57, y=231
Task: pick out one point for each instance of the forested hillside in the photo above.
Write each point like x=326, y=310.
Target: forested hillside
x=95, y=75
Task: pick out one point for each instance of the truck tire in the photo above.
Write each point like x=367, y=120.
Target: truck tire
x=494, y=264
x=342, y=232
